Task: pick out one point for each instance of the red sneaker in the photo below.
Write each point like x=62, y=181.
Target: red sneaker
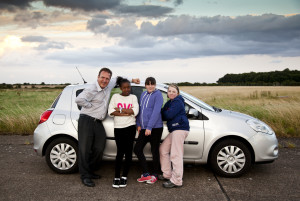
x=153, y=180
x=144, y=179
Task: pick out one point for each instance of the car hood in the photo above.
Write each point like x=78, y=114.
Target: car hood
x=237, y=115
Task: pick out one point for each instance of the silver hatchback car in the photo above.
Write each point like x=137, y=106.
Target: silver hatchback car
x=229, y=141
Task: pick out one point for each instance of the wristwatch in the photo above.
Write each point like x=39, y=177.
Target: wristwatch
x=120, y=109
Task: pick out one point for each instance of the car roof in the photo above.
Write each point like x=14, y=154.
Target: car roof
x=159, y=85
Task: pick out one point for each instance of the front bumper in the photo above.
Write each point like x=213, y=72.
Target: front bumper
x=265, y=147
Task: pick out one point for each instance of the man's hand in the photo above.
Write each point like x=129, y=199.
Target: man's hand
x=136, y=80
x=138, y=129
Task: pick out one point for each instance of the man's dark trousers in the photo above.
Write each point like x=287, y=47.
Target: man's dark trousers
x=91, y=144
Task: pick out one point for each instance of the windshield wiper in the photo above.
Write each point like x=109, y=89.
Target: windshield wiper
x=217, y=109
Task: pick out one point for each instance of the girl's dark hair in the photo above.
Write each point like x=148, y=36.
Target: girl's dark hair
x=150, y=80
x=121, y=80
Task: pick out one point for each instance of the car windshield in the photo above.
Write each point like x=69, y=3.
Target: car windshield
x=197, y=101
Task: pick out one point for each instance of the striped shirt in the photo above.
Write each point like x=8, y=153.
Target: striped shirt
x=94, y=100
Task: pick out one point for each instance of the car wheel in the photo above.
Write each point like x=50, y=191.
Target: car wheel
x=61, y=155
x=230, y=158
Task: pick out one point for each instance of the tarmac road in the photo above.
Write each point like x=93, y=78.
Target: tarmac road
x=26, y=176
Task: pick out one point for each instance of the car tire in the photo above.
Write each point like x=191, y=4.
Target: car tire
x=230, y=158
x=62, y=155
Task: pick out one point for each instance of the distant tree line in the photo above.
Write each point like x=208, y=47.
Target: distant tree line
x=286, y=77
x=32, y=86
x=194, y=84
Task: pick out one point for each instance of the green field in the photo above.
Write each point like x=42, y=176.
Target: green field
x=279, y=107
x=20, y=109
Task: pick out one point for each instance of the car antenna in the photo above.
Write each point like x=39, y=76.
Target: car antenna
x=81, y=75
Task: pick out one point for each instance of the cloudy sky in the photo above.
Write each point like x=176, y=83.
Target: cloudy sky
x=172, y=40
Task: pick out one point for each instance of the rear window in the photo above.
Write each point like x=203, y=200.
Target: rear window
x=77, y=93
x=56, y=101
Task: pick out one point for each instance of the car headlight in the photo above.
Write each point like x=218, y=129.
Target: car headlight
x=259, y=126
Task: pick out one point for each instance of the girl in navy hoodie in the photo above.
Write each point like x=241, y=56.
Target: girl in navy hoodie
x=171, y=150
x=150, y=127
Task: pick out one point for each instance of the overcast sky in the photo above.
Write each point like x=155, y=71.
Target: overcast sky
x=171, y=40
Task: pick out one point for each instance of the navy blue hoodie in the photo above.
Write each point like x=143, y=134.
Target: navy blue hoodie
x=174, y=113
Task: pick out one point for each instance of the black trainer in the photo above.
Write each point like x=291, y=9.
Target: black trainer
x=161, y=177
x=116, y=183
x=169, y=184
x=123, y=182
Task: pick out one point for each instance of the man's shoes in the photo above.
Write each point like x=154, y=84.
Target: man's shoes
x=95, y=176
x=169, y=184
x=88, y=182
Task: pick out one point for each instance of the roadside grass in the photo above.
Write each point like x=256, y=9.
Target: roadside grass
x=20, y=109
x=279, y=107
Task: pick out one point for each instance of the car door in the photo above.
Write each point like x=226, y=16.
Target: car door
x=194, y=143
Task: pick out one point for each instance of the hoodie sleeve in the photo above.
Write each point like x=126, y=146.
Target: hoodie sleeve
x=173, y=110
x=138, y=123
x=159, y=100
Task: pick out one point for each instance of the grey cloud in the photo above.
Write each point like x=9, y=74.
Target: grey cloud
x=178, y=2
x=96, y=5
x=171, y=48
x=32, y=19
x=40, y=39
x=126, y=30
x=144, y=10
x=194, y=38
x=96, y=24
x=53, y=45
x=45, y=43
x=267, y=28
x=87, y=5
x=220, y=25
x=13, y=5
x=164, y=50
x=139, y=42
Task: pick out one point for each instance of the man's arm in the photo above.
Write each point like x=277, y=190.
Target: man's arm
x=84, y=98
x=136, y=80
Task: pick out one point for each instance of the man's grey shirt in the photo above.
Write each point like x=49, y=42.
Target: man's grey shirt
x=94, y=99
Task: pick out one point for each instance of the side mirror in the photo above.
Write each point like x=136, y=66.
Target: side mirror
x=193, y=113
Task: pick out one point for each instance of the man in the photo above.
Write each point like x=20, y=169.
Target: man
x=91, y=133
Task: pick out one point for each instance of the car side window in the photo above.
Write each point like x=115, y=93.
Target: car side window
x=136, y=90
